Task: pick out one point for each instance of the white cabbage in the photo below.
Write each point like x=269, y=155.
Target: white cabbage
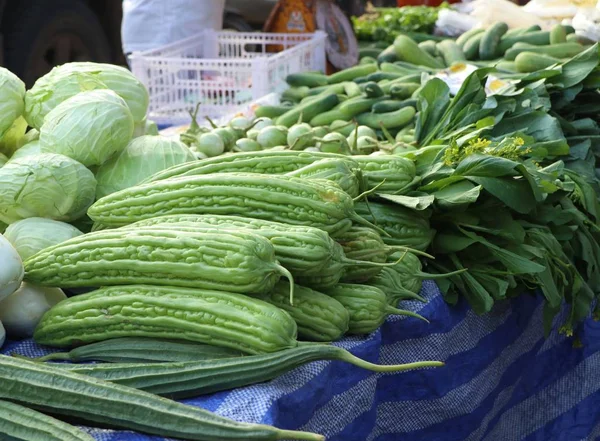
x=11, y=268
x=31, y=148
x=45, y=185
x=89, y=127
x=12, y=94
x=143, y=157
x=33, y=234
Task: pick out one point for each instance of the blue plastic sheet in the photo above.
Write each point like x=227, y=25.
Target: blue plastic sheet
x=503, y=381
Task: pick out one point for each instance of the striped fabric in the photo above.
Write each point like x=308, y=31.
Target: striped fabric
x=502, y=382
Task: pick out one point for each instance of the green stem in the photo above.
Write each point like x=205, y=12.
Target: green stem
x=423, y=275
x=395, y=311
x=292, y=434
x=359, y=362
x=362, y=221
x=290, y=278
x=54, y=356
x=393, y=249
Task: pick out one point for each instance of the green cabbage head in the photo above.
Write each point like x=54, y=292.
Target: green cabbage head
x=31, y=148
x=53, y=88
x=46, y=185
x=89, y=127
x=143, y=156
x=3, y=159
x=12, y=95
x=31, y=235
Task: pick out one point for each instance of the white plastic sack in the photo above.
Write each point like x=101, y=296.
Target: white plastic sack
x=454, y=23
x=148, y=24
x=587, y=23
x=557, y=10
x=488, y=12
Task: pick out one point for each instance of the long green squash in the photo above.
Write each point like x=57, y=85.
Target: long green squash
x=209, y=259
x=404, y=227
x=269, y=162
x=48, y=388
x=318, y=203
x=212, y=317
x=182, y=380
x=367, y=305
x=309, y=253
x=318, y=316
x=142, y=350
x=18, y=423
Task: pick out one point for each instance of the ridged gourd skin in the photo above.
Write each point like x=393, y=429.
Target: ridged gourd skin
x=362, y=243
x=367, y=306
x=406, y=227
x=49, y=388
x=268, y=162
x=318, y=316
x=240, y=262
x=398, y=172
x=18, y=423
x=389, y=282
x=333, y=170
x=406, y=271
x=142, y=350
x=317, y=203
x=212, y=317
x=304, y=251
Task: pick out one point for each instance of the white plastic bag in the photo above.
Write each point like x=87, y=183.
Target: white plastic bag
x=587, y=23
x=453, y=23
x=488, y=12
x=148, y=24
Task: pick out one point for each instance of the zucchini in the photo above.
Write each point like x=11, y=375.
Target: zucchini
x=390, y=120
x=190, y=379
x=558, y=34
x=142, y=350
x=352, y=73
x=532, y=62
x=73, y=395
x=308, y=110
x=561, y=50
x=488, y=47
x=461, y=41
x=408, y=50
x=451, y=52
x=392, y=105
x=537, y=38
x=18, y=423
x=471, y=46
x=367, y=306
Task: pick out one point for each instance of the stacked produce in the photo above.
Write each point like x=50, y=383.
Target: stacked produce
x=235, y=269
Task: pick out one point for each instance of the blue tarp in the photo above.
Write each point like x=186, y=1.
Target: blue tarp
x=503, y=381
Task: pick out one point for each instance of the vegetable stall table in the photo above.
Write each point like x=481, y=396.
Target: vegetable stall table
x=503, y=380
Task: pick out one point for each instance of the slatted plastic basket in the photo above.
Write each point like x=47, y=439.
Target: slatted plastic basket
x=222, y=70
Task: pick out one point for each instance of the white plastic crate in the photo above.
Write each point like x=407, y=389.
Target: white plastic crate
x=222, y=70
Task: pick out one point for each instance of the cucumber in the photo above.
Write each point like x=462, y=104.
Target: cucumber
x=471, y=47
x=308, y=111
x=326, y=90
x=372, y=90
x=488, y=47
x=326, y=118
x=367, y=60
x=558, y=34
x=392, y=105
x=559, y=50
x=352, y=89
x=408, y=79
x=370, y=52
x=506, y=66
x=402, y=91
x=532, y=62
x=389, y=120
x=408, y=50
x=271, y=111
x=465, y=37
x=379, y=76
x=430, y=47
x=352, y=73
x=355, y=106
x=306, y=79
x=388, y=55
x=295, y=94
x=451, y=52
x=537, y=38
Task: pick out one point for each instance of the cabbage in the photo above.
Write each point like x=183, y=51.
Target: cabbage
x=33, y=234
x=11, y=269
x=22, y=310
x=89, y=127
x=32, y=148
x=45, y=185
x=3, y=159
x=2, y=335
x=142, y=157
x=53, y=88
x=14, y=137
x=12, y=94
x=146, y=127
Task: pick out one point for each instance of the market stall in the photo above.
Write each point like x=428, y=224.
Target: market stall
x=406, y=248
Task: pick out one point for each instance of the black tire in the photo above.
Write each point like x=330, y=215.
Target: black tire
x=39, y=35
x=232, y=22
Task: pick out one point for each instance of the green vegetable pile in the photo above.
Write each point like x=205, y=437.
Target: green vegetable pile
x=385, y=24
